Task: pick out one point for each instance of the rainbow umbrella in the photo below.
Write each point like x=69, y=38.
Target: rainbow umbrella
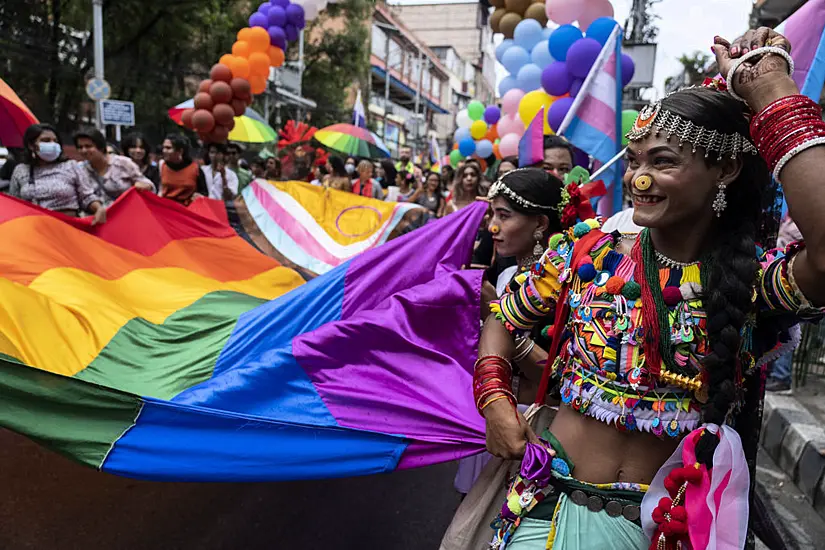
x=352, y=140
x=15, y=117
x=249, y=127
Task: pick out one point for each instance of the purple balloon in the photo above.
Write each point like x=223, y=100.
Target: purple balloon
x=282, y=3
x=492, y=114
x=295, y=14
x=581, y=56
x=258, y=19
x=276, y=16
x=557, y=112
x=576, y=86
x=291, y=32
x=264, y=8
x=555, y=79
x=277, y=37
x=628, y=68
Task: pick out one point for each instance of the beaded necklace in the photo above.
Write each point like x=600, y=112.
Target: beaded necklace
x=658, y=332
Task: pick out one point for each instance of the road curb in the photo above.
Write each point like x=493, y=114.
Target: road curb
x=794, y=439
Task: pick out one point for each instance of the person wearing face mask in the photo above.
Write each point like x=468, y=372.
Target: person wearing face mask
x=350, y=166
x=48, y=179
x=111, y=174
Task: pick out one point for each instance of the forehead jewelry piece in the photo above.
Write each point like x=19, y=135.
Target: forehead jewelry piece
x=643, y=183
x=653, y=119
x=499, y=188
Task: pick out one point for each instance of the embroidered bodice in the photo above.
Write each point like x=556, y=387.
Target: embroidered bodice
x=601, y=364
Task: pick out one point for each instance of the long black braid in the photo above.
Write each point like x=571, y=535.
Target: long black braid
x=728, y=289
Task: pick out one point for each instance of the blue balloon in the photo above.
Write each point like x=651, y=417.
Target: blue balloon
x=561, y=40
x=514, y=59
x=461, y=134
x=527, y=34
x=601, y=28
x=264, y=8
x=529, y=77
x=507, y=83
x=546, y=32
x=541, y=54
x=484, y=148
x=276, y=16
x=505, y=45
x=467, y=147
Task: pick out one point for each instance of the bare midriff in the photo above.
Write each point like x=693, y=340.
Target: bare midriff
x=603, y=454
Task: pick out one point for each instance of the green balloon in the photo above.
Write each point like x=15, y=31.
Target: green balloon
x=628, y=118
x=455, y=157
x=475, y=109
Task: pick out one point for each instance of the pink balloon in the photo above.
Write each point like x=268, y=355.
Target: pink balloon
x=592, y=10
x=564, y=12
x=510, y=101
x=510, y=124
x=508, y=146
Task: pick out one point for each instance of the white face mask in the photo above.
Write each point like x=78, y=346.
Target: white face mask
x=49, y=151
x=350, y=168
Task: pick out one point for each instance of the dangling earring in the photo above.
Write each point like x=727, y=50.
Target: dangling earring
x=720, y=203
x=538, y=249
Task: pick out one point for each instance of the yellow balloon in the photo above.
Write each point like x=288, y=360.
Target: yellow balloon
x=530, y=105
x=478, y=129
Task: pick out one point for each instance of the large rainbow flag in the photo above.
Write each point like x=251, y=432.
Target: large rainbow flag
x=314, y=229
x=160, y=345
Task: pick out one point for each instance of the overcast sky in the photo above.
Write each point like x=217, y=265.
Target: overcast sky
x=684, y=27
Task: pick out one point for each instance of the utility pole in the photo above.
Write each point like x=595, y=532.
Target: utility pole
x=421, y=68
x=97, y=20
x=386, y=86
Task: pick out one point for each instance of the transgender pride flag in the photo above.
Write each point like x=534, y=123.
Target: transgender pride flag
x=593, y=123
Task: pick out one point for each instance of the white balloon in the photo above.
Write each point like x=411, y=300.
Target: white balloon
x=310, y=11
x=463, y=119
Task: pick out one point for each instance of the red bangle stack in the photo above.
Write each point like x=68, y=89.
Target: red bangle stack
x=492, y=381
x=785, y=128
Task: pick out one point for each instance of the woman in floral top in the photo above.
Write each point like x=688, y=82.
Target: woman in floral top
x=112, y=175
x=48, y=179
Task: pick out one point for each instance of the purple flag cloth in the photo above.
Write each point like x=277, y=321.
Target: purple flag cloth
x=804, y=30
x=400, y=360
x=537, y=464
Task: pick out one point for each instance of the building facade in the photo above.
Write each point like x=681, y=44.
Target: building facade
x=409, y=85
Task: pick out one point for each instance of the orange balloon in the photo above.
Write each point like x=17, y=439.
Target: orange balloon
x=455, y=146
x=259, y=63
x=243, y=34
x=258, y=84
x=276, y=56
x=239, y=67
x=240, y=48
x=492, y=133
x=226, y=59
x=258, y=40
x=496, y=152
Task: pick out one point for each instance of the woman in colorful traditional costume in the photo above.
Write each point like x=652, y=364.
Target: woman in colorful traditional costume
x=659, y=346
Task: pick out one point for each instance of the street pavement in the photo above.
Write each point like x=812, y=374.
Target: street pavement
x=52, y=504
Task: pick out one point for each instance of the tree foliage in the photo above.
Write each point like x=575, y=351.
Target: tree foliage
x=155, y=52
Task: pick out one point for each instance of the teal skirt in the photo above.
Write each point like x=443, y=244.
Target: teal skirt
x=559, y=523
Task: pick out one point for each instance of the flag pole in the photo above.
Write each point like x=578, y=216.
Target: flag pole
x=608, y=164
